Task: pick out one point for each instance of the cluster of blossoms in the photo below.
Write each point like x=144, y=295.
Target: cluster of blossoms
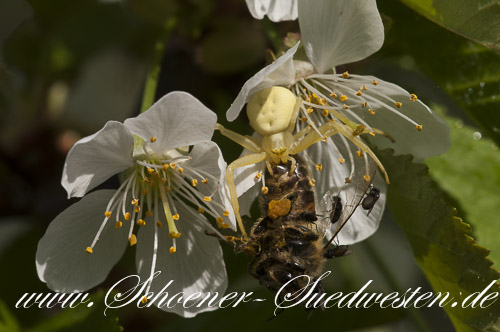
x=172, y=175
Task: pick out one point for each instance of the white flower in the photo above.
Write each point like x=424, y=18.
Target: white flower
x=276, y=10
x=159, y=176
x=335, y=33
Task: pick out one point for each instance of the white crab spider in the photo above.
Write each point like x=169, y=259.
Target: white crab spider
x=272, y=113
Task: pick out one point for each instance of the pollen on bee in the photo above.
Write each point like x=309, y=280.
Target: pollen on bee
x=171, y=250
x=310, y=110
x=141, y=222
x=194, y=182
x=312, y=182
x=364, y=104
x=325, y=112
x=144, y=300
x=343, y=98
x=264, y=190
x=398, y=104
x=172, y=165
x=180, y=170
x=107, y=214
x=345, y=74
x=89, y=250
x=200, y=210
x=371, y=111
x=159, y=224
x=258, y=175
x=319, y=167
x=413, y=97
x=118, y=224
x=367, y=177
x=419, y=127
x=375, y=82
x=205, y=181
x=359, y=93
x=174, y=235
x=341, y=160
x=207, y=198
x=359, y=153
x=176, y=216
x=225, y=213
x=132, y=240
x=127, y=216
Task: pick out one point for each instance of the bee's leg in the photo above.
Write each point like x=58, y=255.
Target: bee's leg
x=337, y=251
x=242, y=161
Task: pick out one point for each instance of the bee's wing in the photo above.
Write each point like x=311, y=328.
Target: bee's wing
x=352, y=193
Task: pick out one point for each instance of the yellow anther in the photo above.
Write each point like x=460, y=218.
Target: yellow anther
x=159, y=224
x=371, y=111
x=312, y=183
x=171, y=250
x=152, y=139
x=176, y=216
x=319, y=167
x=127, y=216
x=419, y=127
x=181, y=170
x=258, y=175
x=107, y=214
x=413, y=97
x=359, y=130
x=325, y=112
x=141, y=222
x=194, y=182
x=303, y=119
x=207, y=198
x=347, y=180
x=205, y=181
x=322, y=101
x=164, y=167
x=219, y=220
x=372, y=133
x=132, y=240
x=172, y=165
x=144, y=300
x=333, y=95
x=137, y=209
x=332, y=120
x=118, y=224
x=341, y=160
x=346, y=107
x=367, y=177
x=343, y=98
x=345, y=74
x=135, y=201
x=310, y=110
x=150, y=170
x=375, y=82
x=149, y=213
x=225, y=213
x=223, y=226
x=264, y=190
x=359, y=153
x=364, y=104
x=89, y=250
x=398, y=104
x=167, y=188
x=359, y=93
x=363, y=87
x=324, y=139
x=174, y=235
x=200, y=210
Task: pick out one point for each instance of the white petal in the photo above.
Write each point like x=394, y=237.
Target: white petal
x=208, y=157
x=340, y=31
x=177, y=119
x=247, y=199
x=95, y=158
x=61, y=259
x=280, y=72
x=276, y=10
x=196, y=266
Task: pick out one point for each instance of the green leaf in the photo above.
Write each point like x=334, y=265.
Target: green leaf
x=473, y=19
x=8, y=322
x=441, y=242
x=469, y=73
x=474, y=185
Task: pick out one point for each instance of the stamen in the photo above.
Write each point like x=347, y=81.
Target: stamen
x=325, y=112
x=319, y=167
x=312, y=182
x=398, y=104
x=194, y=182
x=359, y=153
x=205, y=181
x=371, y=111
x=171, y=250
x=341, y=160
x=225, y=213
x=107, y=214
x=176, y=216
x=345, y=74
x=343, y=98
x=375, y=82
x=144, y=300
x=127, y=216
x=419, y=127
x=141, y=222
x=200, y=210
x=89, y=250
x=413, y=97
x=153, y=139
x=132, y=240
x=264, y=190
x=207, y=199
x=173, y=232
x=118, y=224
x=367, y=177
x=258, y=175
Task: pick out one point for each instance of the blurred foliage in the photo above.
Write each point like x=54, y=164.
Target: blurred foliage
x=67, y=67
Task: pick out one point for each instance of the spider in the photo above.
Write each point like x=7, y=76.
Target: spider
x=272, y=113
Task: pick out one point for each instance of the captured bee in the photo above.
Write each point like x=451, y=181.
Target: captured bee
x=371, y=198
x=289, y=240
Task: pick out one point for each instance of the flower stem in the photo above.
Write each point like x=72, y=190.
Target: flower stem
x=153, y=75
